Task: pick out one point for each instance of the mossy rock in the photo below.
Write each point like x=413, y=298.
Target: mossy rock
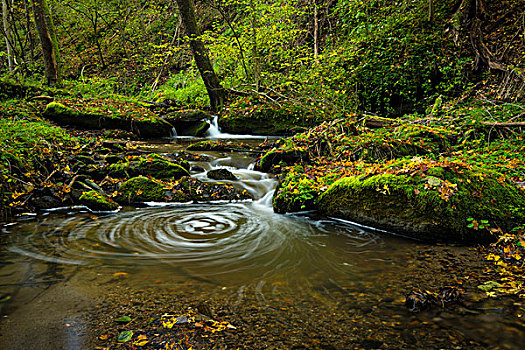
x=67, y=116
x=287, y=201
x=151, y=165
x=189, y=122
x=200, y=191
x=265, y=119
x=281, y=157
x=141, y=189
x=439, y=207
x=97, y=201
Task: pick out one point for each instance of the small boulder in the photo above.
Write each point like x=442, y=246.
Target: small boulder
x=221, y=174
x=197, y=169
x=97, y=201
x=274, y=157
x=150, y=165
x=141, y=189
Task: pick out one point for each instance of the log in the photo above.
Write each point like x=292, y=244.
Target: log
x=504, y=124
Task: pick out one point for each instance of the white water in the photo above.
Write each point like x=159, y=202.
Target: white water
x=214, y=132
x=258, y=184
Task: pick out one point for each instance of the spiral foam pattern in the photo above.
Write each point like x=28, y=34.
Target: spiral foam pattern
x=209, y=238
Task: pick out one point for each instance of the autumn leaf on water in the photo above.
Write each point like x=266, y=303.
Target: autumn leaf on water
x=120, y=274
x=141, y=340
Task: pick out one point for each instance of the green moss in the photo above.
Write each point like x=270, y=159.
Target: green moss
x=150, y=165
x=55, y=108
x=281, y=157
x=248, y=116
x=107, y=114
x=429, y=208
x=141, y=189
x=97, y=201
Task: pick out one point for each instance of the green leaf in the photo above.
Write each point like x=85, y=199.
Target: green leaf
x=123, y=319
x=125, y=336
x=470, y=219
x=487, y=286
x=470, y=225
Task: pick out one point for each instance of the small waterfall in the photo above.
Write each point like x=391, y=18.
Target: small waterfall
x=213, y=130
x=174, y=133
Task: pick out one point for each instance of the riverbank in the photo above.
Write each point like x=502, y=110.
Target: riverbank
x=45, y=159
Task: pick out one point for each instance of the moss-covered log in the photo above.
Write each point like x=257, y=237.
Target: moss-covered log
x=143, y=127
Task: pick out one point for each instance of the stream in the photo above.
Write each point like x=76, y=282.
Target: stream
x=289, y=281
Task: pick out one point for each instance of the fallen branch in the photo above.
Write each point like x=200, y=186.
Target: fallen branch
x=504, y=124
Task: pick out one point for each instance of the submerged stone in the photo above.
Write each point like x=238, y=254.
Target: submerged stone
x=221, y=174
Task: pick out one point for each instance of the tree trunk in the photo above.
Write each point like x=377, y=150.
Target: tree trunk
x=28, y=30
x=431, y=11
x=215, y=91
x=316, y=30
x=7, y=34
x=471, y=16
x=255, y=48
x=45, y=27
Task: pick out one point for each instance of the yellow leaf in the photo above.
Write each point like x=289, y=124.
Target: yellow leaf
x=120, y=274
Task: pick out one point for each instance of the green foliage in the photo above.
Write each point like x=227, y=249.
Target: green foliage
x=184, y=88
x=27, y=148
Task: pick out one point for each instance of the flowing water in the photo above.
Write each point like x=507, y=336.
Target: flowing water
x=56, y=263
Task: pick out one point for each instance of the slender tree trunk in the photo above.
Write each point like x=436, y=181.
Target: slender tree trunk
x=227, y=18
x=316, y=30
x=255, y=49
x=48, y=41
x=215, y=91
x=431, y=11
x=7, y=34
x=94, y=21
x=28, y=30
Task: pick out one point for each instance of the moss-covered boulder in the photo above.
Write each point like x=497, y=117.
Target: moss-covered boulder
x=445, y=205
x=141, y=189
x=253, y=117
x=150, y=165
x=83, y=117
x=281, y=157
x=98, y=201
x=189, y=122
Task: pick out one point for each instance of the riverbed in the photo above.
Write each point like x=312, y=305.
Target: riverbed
x=298, y=281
